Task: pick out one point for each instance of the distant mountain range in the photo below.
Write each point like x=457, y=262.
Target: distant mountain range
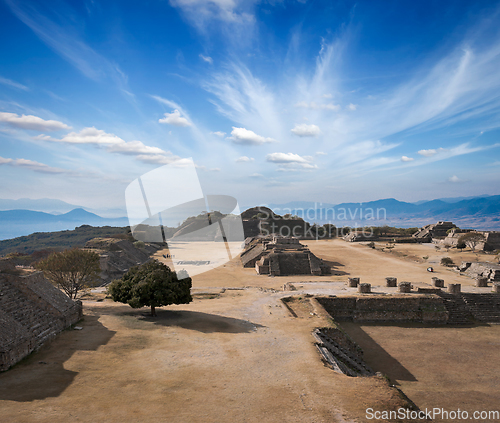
x=52, y=206
x=15, y=223
x=476, y=213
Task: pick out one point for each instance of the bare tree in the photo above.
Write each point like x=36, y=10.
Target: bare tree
x=471, y=239
x=71, y=270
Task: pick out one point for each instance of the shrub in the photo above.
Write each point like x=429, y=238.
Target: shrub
x=447, y=261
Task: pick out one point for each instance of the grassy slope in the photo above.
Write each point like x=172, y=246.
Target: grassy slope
x=57, y=240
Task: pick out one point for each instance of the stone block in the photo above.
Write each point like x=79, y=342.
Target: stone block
x=353, y=282
x=454, y=288
x=438, y=283
x=391, y=282
x=364, y=288
x=405, y=287
x=482, y=282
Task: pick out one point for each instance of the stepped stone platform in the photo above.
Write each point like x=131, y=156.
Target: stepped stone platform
x=431, y=305
x=32, y=311
x=435, y=230
x=483, y=307
x=280, y=256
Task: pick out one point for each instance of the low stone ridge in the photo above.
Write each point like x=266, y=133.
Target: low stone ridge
x=280, y=256
x=424, y=308
x=32, y=311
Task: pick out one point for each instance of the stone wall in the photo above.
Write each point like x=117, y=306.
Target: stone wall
x=427, y=309
x=32, y=311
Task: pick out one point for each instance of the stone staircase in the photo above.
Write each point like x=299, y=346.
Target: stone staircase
x=484, y=307
x=458, y=312
x=40, y=324
x=339, y=358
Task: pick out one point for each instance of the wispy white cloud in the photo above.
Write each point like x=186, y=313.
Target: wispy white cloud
x=351, y=107
x=31, y=122
x=247, y=137
x=315, y=106
x=245, y=100
x=159, y=159
x=406, y=159
x=175, y=119
x=431, y=152
x=219, y=134
x=68, y=43
x=207, y=59
x=113, y=144
x=454, y=179
x=32, y=165
x=200, y=13
x=13, y=84
x=304, y=130
x=244, y=159
x=291, y=162
x=285, y=158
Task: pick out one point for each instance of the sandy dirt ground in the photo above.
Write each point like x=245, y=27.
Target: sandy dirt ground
x=235, y=354
x=437, y=367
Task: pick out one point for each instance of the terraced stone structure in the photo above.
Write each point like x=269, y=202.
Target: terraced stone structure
x=280, y=256
x=491, y=239
x=32, y=311
x=117, y=256
x=436, y=230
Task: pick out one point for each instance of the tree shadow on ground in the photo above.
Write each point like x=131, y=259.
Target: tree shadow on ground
x=42, y=373
x=376, y=357
x=202, y=322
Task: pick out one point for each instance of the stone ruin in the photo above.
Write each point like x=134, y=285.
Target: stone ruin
x=281, y=256
x=32, y=311
x=117, y=256
x=434, y=230
x=489, y=271
x=491, y=239
x=360, y=236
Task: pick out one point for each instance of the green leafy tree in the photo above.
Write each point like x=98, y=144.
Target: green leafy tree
x=71, y=270
x=471, y=239
x=152, y=284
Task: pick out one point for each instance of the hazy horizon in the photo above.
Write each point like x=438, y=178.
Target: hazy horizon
x=275, y=101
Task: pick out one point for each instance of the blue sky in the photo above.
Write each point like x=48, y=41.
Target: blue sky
x=326, y=101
